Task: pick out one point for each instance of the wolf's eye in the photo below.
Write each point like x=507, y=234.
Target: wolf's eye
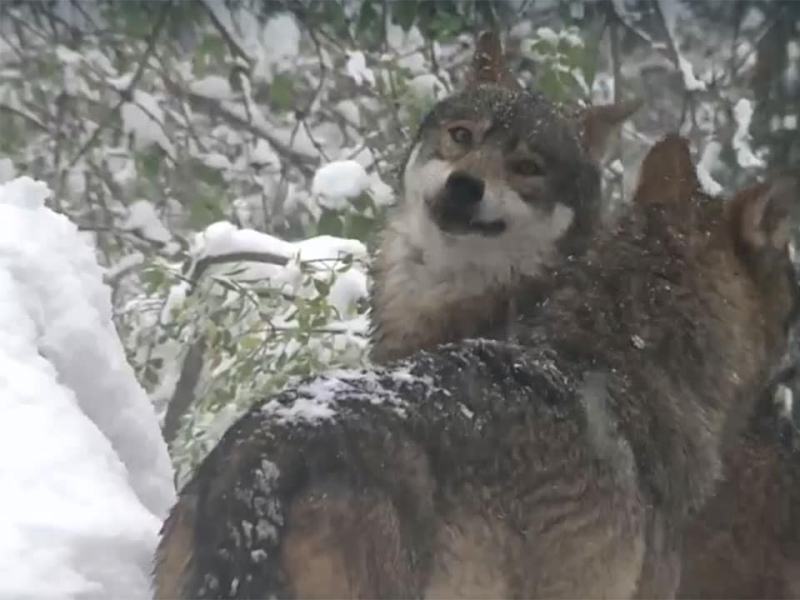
x=527, y=168
x=461, y=135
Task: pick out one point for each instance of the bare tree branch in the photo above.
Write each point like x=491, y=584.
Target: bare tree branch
x=232, y=43
x=204, y=263
x=22, y=114
x=304, y=163
x=127, y=93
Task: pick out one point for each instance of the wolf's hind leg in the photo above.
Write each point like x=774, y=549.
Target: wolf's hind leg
x=345, y=543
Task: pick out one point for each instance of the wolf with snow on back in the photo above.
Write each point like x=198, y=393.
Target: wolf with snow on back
x=498, y=469
x=498, y=186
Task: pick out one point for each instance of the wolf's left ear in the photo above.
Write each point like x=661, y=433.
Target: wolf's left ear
x=489, y=63
x=667, y=173
x=765, y=214
x=598, y=123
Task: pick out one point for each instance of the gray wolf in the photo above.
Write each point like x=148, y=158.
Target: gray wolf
x=498, y=185
x=538, y=468
x=745, y=542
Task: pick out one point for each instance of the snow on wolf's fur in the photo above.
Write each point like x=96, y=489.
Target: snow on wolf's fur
x=86, y=477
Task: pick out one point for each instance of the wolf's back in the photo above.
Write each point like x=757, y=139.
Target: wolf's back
x=363, y=469
x=223, y=538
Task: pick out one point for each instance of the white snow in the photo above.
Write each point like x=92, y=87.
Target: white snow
x=321, y=252
x=427, y=88
x=401, y=41
x=381, y=192
x=264, y=155
x=212, y=86
x=86, y=478
x=307, y=409
x=348, y=288
x=349, y=111
x=548, y=35
x=338, y=181
x=279, y=47
x=358, y=70
x=143, y=218
x=743, y=115
x=690, y=81
x=708, y=161
x=327, y=247
x=144, y=119
x=670, y=10
x=319, y=399
x=215, y=160
x=7, y=170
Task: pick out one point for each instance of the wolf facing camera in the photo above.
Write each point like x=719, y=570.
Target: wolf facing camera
x=498, y=186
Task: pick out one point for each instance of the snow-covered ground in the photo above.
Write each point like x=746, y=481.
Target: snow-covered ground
x=84, y=473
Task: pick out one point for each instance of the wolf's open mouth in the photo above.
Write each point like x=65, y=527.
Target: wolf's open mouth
x=461, y=218
x=485, y=228
x=488, y=228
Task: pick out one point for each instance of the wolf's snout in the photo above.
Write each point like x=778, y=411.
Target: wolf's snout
x=462, y=187
x=456, y=209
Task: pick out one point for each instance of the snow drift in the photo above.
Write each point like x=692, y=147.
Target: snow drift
x=84, y=472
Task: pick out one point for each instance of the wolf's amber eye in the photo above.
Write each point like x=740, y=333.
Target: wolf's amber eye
x=461, y=135
x=527, y=168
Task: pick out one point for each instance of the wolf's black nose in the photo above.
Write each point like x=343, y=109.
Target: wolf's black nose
x=463, y=187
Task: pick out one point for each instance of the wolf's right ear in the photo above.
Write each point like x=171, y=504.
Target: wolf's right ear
x=765, y=214
x=489, y=63
x=667, y=173
x=598, y=123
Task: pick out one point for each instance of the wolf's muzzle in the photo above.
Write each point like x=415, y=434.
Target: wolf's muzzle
x=456, y=208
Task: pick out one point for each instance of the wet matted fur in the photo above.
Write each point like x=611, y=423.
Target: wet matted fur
x=496, y=469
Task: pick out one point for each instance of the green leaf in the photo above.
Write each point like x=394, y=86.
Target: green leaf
x=150, y=161
x=333, y=16
x=204, y=209
x=251, y=342
x=359, y=226
x=153, y=278
x=368, y=17
x=330, y=223
x=323, y=287
x=281, y=92
x=209, y=175
x=404, y=13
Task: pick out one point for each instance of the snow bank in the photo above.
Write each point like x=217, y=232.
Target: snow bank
x=85, y=475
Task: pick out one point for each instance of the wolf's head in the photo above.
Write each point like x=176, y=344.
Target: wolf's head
x=499, y=179
x=498, y=185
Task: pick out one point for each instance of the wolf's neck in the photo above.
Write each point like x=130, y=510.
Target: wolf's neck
x=421, y=299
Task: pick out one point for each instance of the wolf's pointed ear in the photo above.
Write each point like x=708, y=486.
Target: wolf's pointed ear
x=598, y=123
x=489, y=63
x=667, y=173
x=765, y=214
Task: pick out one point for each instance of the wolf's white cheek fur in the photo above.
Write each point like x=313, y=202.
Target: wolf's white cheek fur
x=526, y=245
x=424, y=181
x=540, y=227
